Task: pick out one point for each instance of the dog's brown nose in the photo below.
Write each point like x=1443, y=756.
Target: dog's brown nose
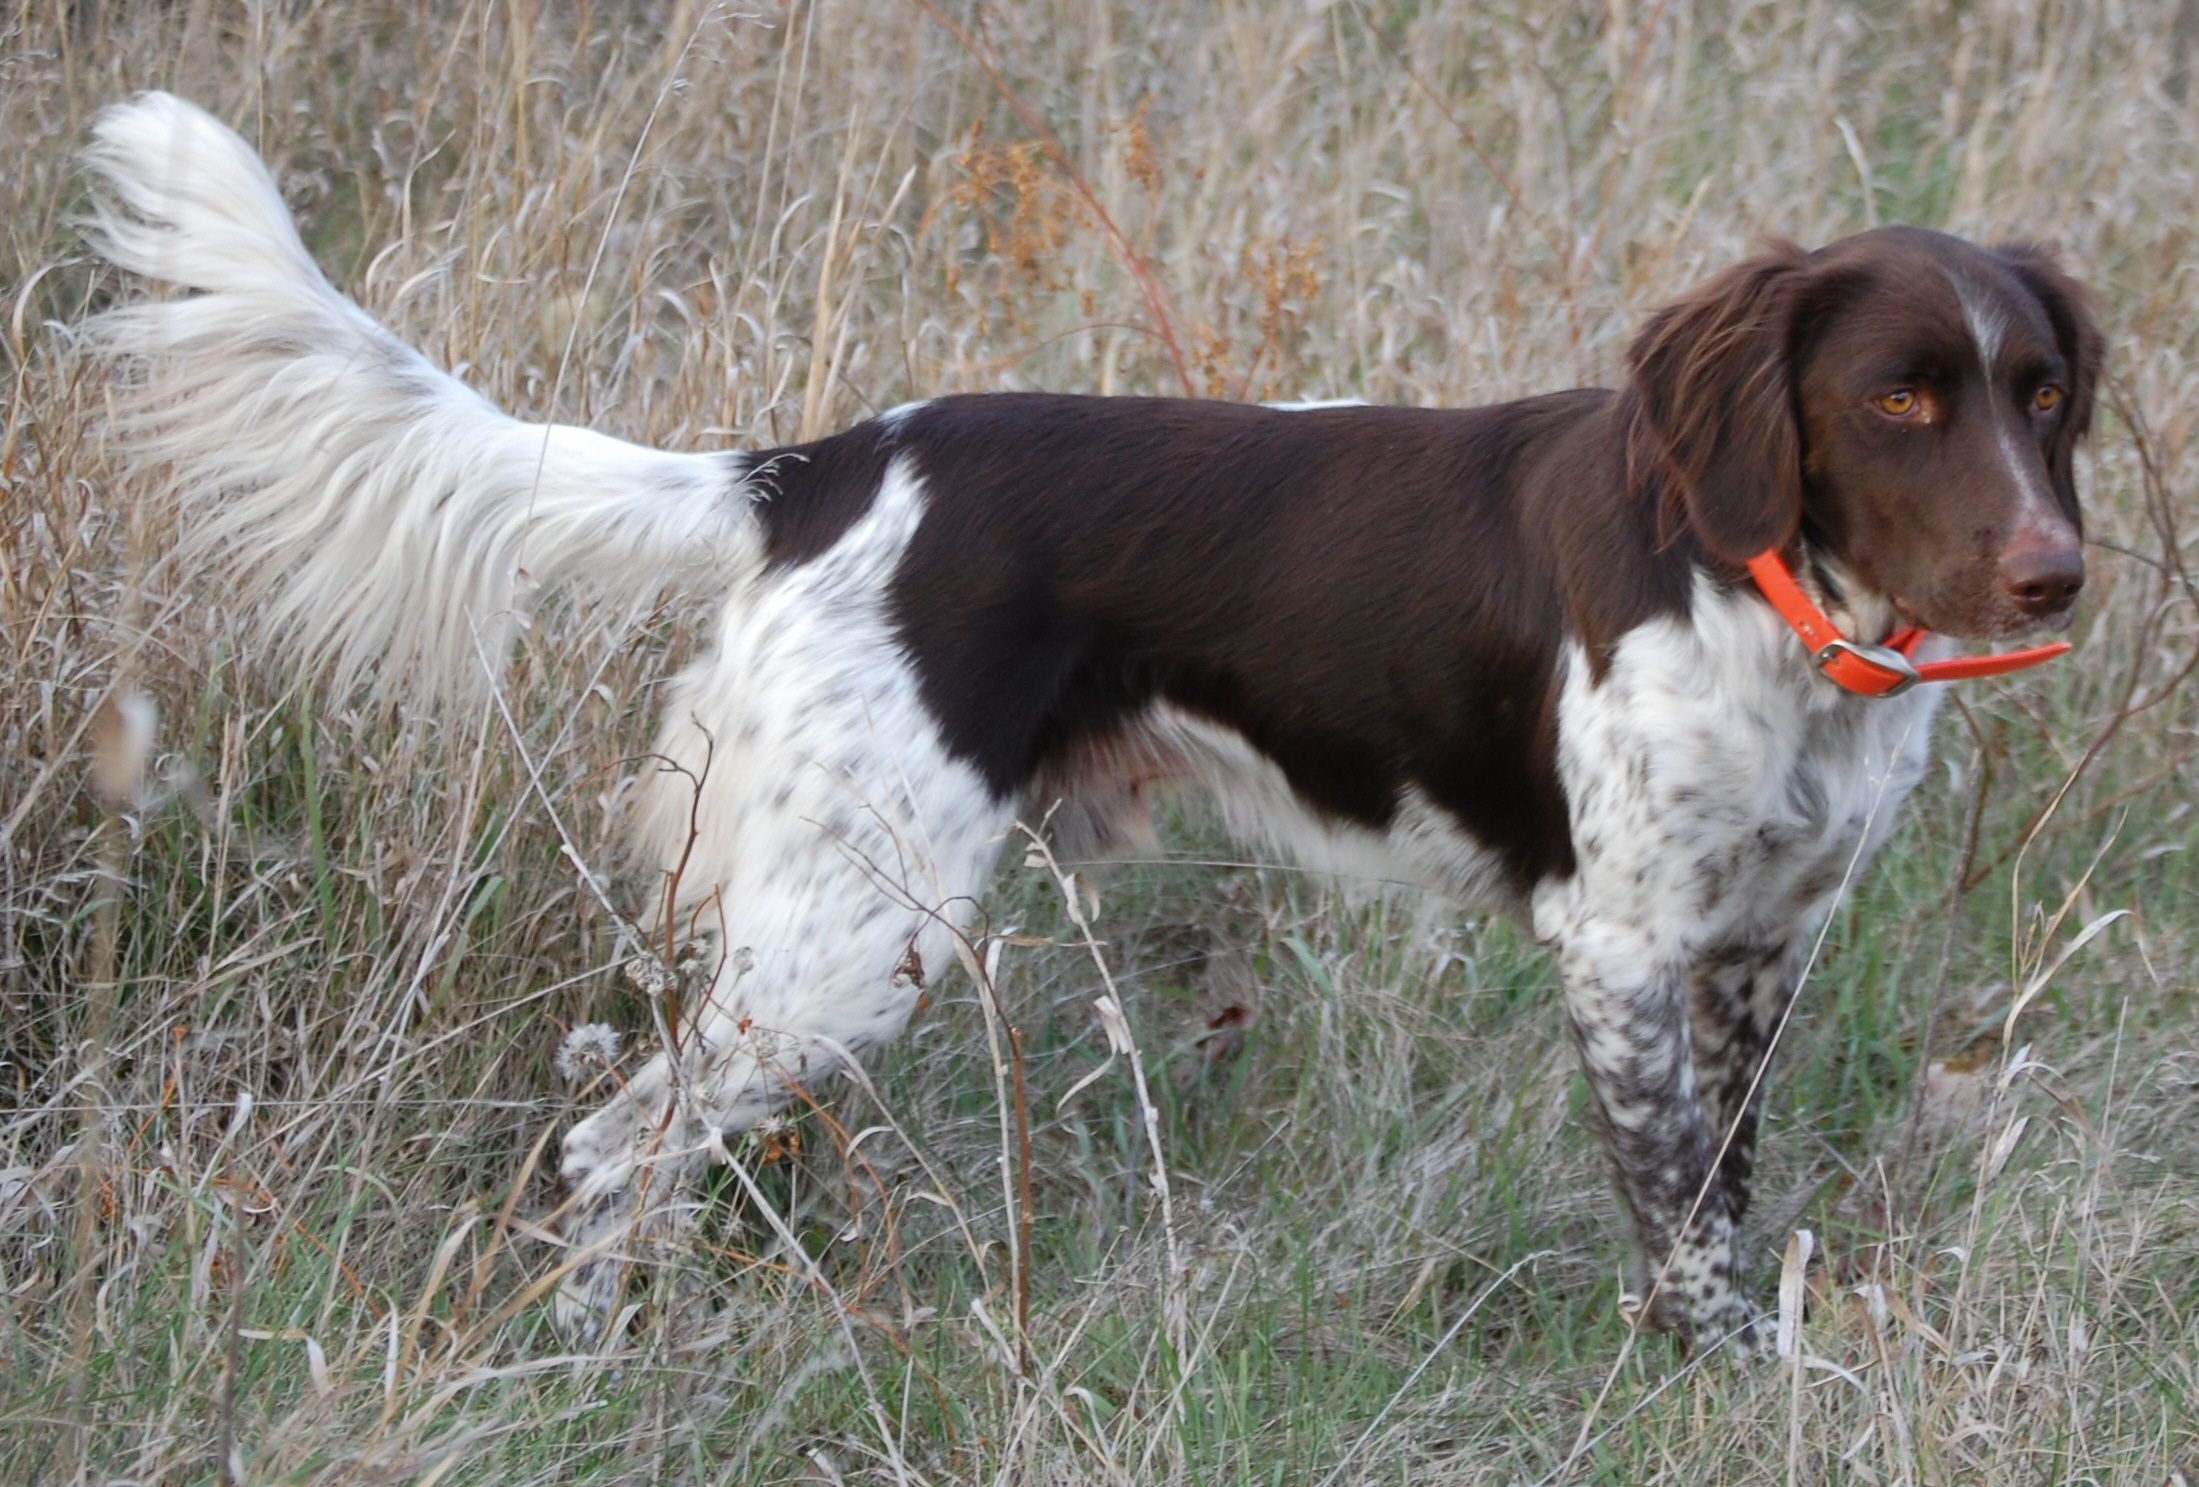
x=2042, y=572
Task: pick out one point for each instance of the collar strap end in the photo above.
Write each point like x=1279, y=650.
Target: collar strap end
x=1867, y=669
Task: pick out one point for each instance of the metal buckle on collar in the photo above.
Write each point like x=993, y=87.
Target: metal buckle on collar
x=1881, y=657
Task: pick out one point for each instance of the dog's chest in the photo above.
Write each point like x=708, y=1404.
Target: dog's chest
x=1717, y=791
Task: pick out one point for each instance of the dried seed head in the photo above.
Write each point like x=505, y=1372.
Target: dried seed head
x=647, y=975
x=587, y=1051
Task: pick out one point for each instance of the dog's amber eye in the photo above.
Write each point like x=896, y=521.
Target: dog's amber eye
x=2047, y=398
x=1899, y=403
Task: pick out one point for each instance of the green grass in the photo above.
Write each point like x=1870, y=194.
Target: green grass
x=1396, y=1260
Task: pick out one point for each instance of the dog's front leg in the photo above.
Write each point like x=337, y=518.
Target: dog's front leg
x=1738, y=996
x=1627, y=999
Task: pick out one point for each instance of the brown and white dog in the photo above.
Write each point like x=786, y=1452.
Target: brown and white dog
x=1509, y=653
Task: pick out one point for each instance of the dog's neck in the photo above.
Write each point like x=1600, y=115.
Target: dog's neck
x=1860, y=612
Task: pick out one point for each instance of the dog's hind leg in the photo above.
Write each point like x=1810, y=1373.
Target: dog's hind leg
x=817, y=835
x=837, y=897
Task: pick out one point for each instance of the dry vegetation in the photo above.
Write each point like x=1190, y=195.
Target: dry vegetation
x=278, y=1000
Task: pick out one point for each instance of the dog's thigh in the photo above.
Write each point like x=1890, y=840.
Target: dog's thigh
x=815, y=833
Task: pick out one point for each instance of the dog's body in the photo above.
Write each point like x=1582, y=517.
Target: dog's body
x=1505, y=653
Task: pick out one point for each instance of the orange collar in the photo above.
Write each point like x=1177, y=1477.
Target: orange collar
x=1882, y=670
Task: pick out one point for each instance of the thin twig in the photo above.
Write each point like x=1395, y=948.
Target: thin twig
x=2175, y=581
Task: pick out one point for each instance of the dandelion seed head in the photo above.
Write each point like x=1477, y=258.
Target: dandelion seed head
x=587, y=1051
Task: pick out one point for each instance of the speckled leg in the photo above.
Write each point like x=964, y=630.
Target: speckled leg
x=1736, y=998
x=815, y=828
x=834, y=965
x=629, y=1170
x=1631, y=1027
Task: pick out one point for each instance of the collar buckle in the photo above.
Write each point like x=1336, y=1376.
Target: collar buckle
x=1880, y=658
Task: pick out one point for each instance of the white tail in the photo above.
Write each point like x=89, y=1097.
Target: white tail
x=378, y=515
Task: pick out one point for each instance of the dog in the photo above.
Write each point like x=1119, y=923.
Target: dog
x=1639, y=667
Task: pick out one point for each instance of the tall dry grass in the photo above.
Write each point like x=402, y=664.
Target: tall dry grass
x=281, y=974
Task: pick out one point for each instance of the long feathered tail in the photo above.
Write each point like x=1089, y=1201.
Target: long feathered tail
x=372, y=511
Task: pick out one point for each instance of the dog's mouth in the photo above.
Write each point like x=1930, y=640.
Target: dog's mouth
x=2056, y=623
x=1991, y=622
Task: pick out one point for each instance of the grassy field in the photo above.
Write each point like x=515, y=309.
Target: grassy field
x=280, y=990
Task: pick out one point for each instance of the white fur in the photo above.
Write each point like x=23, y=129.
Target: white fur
x=821, y=838
x=1714, y=782
x=369, y=507
x=1422, y=847
x=1720, y=794
x=1988, y=326
x=1986, y=321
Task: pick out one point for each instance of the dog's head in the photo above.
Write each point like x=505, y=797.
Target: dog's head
x=1905, y=402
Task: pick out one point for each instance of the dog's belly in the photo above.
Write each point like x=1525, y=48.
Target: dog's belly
x=1098, y=803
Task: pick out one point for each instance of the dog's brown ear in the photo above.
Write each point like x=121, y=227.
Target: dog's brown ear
x=1714, y=421
x=2077, y=336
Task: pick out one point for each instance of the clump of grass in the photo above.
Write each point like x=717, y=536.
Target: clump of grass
x=279, y=1014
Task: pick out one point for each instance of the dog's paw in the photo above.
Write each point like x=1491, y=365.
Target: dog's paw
x=612, y=1238
x=1724, y=1324
x=1753, y=1338
x=588, y=1306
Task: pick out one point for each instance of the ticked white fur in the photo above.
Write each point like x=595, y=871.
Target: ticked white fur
x=1716, y=787
x=1721, y=795
x=379, y=517
x=821, y=843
